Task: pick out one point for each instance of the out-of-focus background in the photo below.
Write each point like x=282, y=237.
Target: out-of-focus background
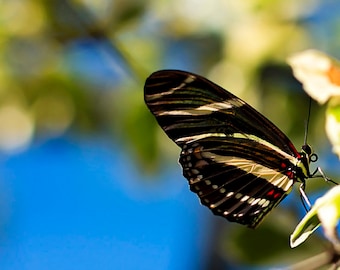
x=87, y=178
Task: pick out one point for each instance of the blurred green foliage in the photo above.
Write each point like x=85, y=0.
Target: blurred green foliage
x=242, y=46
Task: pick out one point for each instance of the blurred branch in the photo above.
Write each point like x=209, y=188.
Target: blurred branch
x=74, y=21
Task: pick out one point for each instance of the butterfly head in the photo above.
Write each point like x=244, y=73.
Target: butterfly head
x=307, y=156
x=309, y=153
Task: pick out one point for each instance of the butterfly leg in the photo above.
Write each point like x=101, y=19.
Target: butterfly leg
x=323, y=175
x=305, y=201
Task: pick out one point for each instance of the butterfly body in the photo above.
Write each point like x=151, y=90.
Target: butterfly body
x=237, y=161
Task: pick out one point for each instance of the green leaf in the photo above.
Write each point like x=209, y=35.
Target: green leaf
x=326, y=211
x=305, y=228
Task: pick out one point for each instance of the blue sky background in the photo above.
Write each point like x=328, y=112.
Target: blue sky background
x=82, y=205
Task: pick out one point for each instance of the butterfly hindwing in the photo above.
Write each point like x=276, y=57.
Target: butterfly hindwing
x=234, y=158
x=233, y=185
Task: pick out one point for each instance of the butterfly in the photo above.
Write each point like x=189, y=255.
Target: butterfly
x=237, y=161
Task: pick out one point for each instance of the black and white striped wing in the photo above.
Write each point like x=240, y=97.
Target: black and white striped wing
x=236, y=185
x=234, y=158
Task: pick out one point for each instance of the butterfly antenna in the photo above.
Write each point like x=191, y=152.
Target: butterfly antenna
x=307, y=121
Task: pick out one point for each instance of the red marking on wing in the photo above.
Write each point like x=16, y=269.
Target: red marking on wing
x=277, y=195
x=292, y=147
x=287, y=170
x=290, y=174
x=270, y=193
x=274, y=194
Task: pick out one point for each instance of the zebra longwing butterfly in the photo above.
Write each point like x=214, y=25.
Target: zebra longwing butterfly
x=237, y=161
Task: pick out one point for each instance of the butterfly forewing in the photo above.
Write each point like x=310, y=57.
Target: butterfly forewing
x=186, y=104
x=234, y=158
